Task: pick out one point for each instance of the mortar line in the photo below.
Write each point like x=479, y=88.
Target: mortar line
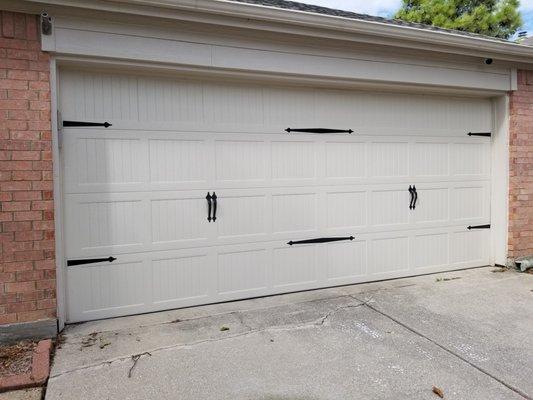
x=507, y=385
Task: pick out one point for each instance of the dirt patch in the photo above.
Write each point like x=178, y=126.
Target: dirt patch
x=16, y=359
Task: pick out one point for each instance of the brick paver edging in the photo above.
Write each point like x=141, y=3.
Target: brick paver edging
x=40, y=369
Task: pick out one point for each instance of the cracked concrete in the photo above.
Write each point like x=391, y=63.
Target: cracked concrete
x=385, y=340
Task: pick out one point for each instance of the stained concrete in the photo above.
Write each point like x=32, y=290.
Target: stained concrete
x=24, y=394
x=386, y=340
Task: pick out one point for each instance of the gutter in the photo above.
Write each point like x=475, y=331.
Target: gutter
x=373, y=31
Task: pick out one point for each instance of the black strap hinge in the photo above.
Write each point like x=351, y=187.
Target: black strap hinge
x=318, y=130
x=82, y=123
x=488, y=134
x=320, y=240
x=486, y=226
x=71, y=263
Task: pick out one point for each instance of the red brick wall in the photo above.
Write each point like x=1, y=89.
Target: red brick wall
x=27, y=270
x=521, y=168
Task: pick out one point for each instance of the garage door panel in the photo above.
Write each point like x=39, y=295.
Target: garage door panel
x=389, y=207
x=101, y=161
x=346, y=209
x=180, y=278
x=430, y=159
x=471, y=159
x=389, y=159
x=137, y=191
x=179, y=160
x=242, y=160
x=388, y=255
x=470, y=202
x=469, y=247
x=243, y=216
x=346, y=261
x=430, y=250
x=104, y=223
x=179, y=219
x=104, y=290
x=432, y=206
x=346, y=159
x=294, y=267
x=243, y=272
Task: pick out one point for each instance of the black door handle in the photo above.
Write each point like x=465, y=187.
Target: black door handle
x=412, y=197
x=208, y=198
x=416, y=197
x=214, y=197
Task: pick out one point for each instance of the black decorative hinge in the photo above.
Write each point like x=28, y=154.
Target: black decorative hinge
x=71, y=263
x=318, y=130
x=81, y=123
x=488, y=134
x=320, y=240
x=487, y=226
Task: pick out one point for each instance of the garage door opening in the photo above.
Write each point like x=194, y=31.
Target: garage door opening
x=401, y=189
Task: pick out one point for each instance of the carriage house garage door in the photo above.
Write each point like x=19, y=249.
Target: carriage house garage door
x=137, y=190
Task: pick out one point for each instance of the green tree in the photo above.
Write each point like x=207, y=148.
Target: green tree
x=498, y=18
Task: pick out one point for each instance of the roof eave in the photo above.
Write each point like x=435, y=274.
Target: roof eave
x=397, y=35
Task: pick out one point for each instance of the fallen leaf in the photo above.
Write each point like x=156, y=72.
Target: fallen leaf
x=438, y=391
x=224, y=328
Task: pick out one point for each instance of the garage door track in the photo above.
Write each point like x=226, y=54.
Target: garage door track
x=467, y=333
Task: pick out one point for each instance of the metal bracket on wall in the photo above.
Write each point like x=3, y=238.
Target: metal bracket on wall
x=469, y=227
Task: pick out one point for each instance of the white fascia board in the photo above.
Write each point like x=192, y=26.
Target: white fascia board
x=380, y=32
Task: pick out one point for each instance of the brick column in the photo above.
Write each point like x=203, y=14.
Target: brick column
x=521, y=168
x=27, y=268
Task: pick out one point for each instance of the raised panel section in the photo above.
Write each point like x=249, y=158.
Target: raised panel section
x=430, y=250
x=293, y=160
x=178, y=219
x=294, y=212
x=178, y=160
x=233, y=105
x=109, y=223
x=389, y=159
x=471, y=159
x=345, y=160
x=388, y=255
x=242, y=271
x=105, y=161
x=240, y=215
x=389, y=207
x=180, y=278
x=293, y=266
x=345, y=260
x=430, y=159
x=102, y=287
x=468, y=246
x=240, y=160
x=468, y=202
x=432, y=205
x=346, y=209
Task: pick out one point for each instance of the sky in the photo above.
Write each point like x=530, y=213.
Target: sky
x=386, y=8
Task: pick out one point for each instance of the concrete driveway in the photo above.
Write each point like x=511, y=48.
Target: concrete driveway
x=470, y=333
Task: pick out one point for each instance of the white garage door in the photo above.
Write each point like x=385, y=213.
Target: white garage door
x=137, y=190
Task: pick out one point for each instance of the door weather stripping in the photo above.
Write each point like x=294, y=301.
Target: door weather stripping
x=320, y=240
x=318, y=130
x=81, y=123
x=487, y=226
x=71, y=263
x=488, y=134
